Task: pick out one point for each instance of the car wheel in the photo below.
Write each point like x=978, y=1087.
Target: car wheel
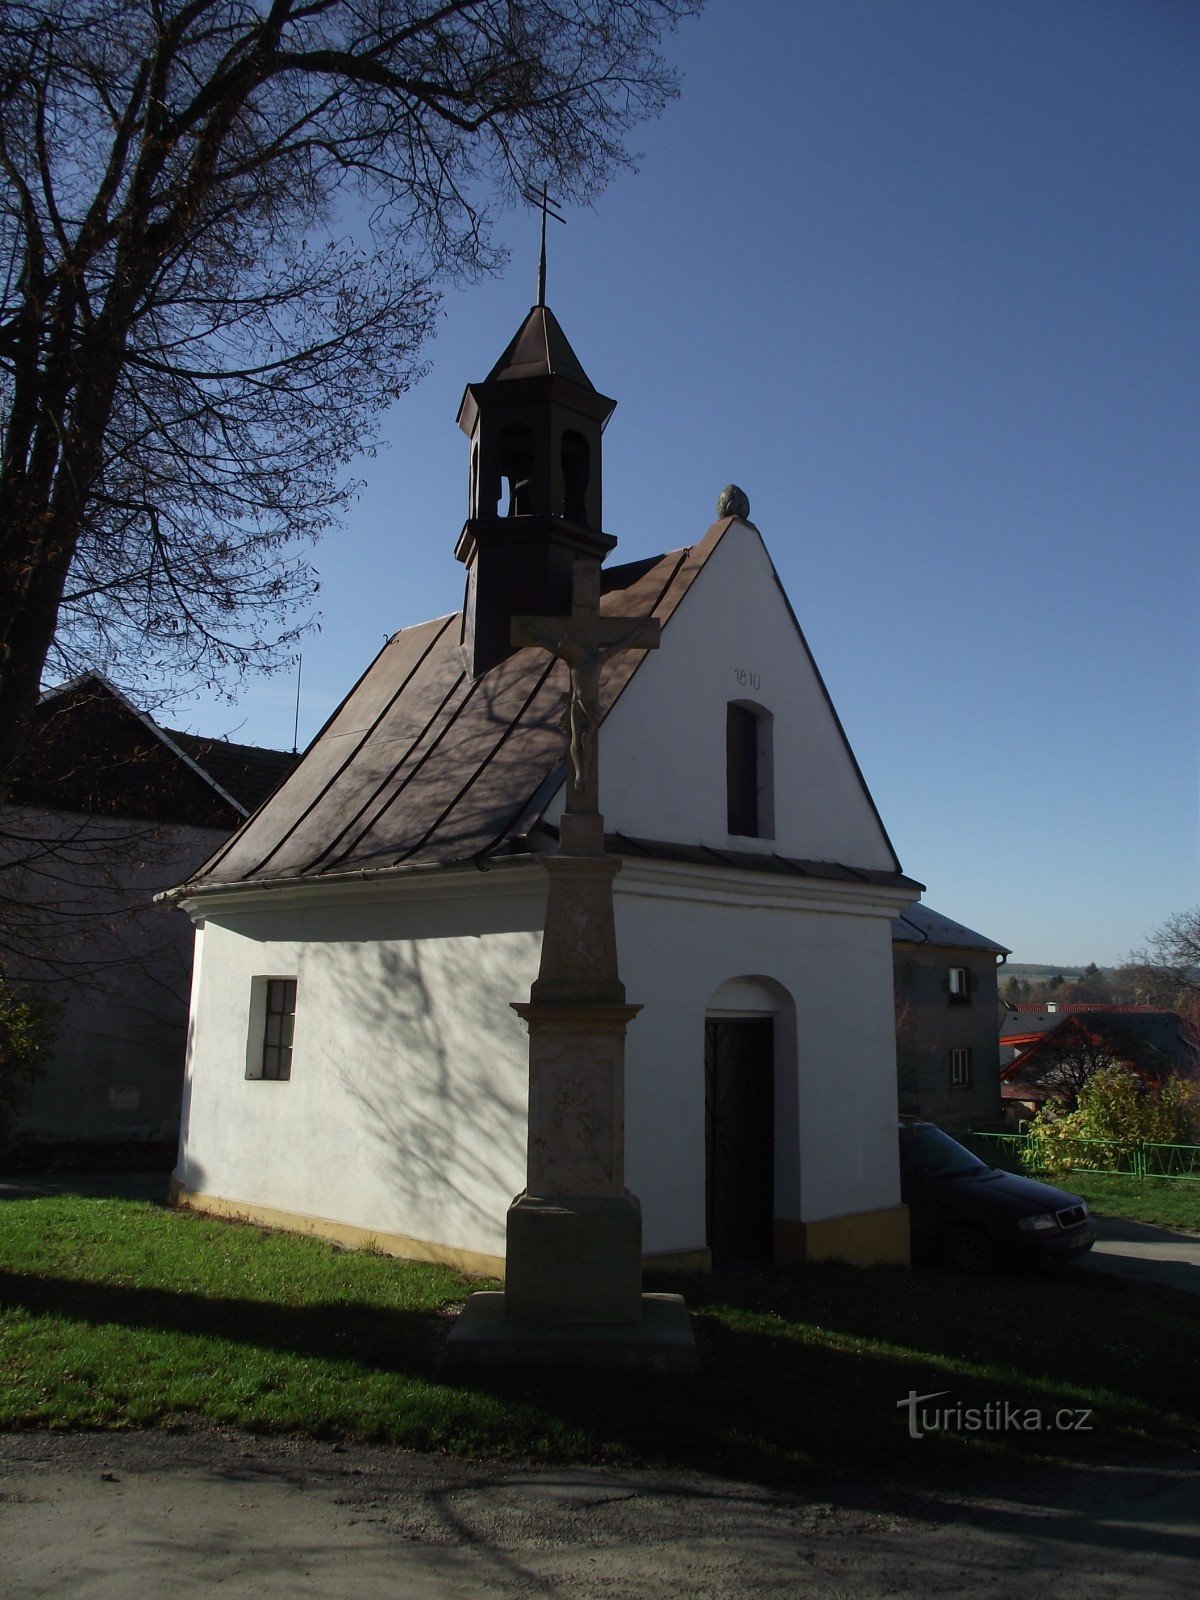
x=967, y=1250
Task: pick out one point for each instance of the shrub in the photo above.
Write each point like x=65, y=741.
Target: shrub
x=26, y=1032
x=1116, y=1111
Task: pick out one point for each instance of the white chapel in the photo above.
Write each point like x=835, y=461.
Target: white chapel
x=355, y=1068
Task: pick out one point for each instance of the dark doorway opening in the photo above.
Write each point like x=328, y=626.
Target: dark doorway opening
x=739, y=1127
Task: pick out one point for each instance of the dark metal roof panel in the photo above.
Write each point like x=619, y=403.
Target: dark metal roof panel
x=347, y=760
x=420, y=764
x=540, y=349
x=248, y=772
x=621, y=844
x=453, y=790
x=923, y=925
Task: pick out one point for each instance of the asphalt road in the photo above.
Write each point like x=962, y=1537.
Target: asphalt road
x=200, y=1515
x=1143, y=1254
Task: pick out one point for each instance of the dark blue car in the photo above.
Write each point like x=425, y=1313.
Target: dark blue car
x=965, y=1214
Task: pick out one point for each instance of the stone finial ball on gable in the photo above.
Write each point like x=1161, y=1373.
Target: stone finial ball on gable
x=733, y=502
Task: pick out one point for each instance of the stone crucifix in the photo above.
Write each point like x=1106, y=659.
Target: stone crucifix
x=574, y=1251
x=583, y=640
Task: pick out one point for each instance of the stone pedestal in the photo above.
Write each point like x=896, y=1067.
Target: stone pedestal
x=573, y=1258
x=574, y=1240
x=579, y=946
x=660, y=1341
x=576, y=1096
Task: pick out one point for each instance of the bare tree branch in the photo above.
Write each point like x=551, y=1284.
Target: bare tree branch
x=191, y=351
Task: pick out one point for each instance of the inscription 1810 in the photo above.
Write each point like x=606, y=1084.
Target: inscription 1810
x=746, y=679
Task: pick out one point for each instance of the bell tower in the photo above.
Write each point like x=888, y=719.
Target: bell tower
x=534, y=424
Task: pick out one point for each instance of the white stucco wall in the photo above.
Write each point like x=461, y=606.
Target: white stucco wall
x=406, y=1108
x=835, y=1083
x=662, y=751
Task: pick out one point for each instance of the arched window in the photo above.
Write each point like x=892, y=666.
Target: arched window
x=576, y=470
x=749, y=770
x=514, y=463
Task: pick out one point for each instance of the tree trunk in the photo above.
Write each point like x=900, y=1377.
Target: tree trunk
x=29, y=602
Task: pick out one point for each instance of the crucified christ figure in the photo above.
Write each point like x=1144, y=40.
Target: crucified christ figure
x=583, y=640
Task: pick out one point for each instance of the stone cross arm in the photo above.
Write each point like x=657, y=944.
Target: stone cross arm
x=578, y=639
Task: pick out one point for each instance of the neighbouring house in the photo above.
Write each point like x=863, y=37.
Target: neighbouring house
x=355, y=1066
x=1048, y=1051
x=107, y=810
x=947, y=1004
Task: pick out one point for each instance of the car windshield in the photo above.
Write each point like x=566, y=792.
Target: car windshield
x=929, y=1153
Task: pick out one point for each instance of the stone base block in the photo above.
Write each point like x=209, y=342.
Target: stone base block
x=661, y=1340
x=574, y=1258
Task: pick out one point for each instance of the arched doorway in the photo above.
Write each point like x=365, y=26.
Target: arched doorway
x=739, y=1123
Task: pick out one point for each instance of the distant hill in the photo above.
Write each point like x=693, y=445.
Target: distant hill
x=1036, y=972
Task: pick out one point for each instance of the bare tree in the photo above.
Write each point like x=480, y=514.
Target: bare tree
x=908, y=1057
x=1069, y=1057
x=26, y=1031
x=76, y=903
x=195, y=332
x=1166, y=972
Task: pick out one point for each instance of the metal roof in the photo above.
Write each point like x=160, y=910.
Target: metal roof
x=1147, y=1041
x=422, y=765
x=921, y=924
x=620, y=844
x=248, y=772
x=540, y=349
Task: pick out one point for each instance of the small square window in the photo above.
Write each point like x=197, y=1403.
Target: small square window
x=960, y=1068
x=272, y=1028
x=960, y=985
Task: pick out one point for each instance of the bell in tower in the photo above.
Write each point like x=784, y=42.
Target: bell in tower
x=535, y=499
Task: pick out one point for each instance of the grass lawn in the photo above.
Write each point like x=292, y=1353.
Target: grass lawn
x=1165, y=1202
x=1162, y=1202
x=122, y=1314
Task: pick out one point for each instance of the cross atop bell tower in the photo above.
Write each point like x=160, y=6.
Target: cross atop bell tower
x=548, y=208
x=535, y=425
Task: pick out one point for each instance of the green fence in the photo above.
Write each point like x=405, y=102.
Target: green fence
x=1018, y=1152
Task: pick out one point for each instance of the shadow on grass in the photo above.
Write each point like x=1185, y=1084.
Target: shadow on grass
x=803, y=1374
x=385, y=1338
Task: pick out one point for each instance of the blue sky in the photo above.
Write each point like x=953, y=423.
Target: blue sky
x=921, y=277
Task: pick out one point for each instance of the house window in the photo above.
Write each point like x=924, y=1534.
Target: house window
x=960, y=1068
x=272, y=1026
x=749, y=782
x=960, y=985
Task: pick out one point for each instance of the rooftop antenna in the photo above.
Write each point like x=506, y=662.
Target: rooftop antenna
x=296, y=724
x=548, y=208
